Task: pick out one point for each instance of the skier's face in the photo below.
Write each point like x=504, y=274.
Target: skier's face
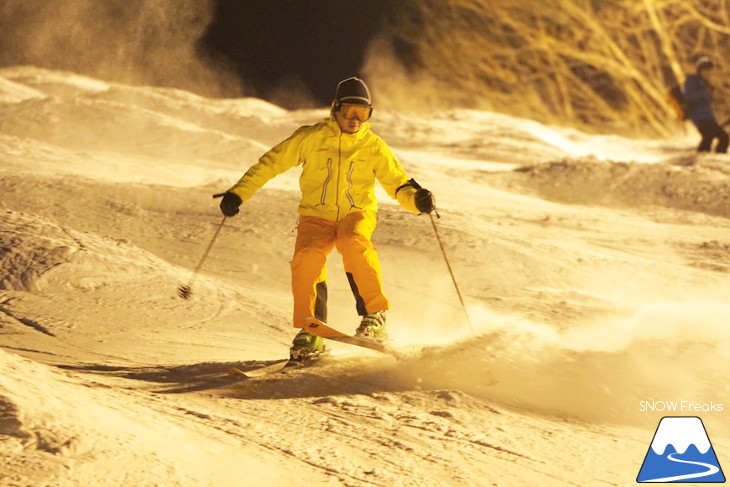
x=350, y=117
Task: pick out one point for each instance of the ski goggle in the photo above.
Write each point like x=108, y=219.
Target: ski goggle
x=351, y=111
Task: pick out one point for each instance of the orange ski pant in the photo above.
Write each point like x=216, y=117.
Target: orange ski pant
x=316, y=237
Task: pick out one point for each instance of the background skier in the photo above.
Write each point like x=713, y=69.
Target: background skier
x=698, y=97
x=341, y=158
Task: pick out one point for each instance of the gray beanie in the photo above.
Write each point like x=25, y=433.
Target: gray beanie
x=352, y=90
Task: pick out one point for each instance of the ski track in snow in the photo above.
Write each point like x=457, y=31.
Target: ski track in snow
x=594, y=270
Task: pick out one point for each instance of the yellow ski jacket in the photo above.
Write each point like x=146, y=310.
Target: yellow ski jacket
x=338, y=171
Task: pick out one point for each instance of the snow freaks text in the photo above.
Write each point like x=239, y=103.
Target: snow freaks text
x=681, y=407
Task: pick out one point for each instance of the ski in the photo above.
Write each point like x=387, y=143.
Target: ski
x=261, y=371
x=278, y=366
x=319, y=328
x=322, y=329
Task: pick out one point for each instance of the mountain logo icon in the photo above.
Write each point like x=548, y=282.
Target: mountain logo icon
x=681, y=452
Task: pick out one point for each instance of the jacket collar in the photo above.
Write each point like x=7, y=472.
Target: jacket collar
x=335, y=128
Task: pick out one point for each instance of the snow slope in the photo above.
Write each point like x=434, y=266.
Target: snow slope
x=595, y=270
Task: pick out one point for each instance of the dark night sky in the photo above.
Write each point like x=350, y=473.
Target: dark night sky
x=290, y=52
x=270, y=43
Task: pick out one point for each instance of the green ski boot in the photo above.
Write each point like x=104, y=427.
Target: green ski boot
x=306, y=347
x=372, y=327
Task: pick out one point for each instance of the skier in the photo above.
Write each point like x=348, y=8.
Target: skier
x=341, y=158
x=698, y=96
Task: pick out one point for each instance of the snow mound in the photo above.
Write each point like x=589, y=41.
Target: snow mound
x=699, y=187
x=11, y=92
x=53, y=82
x=39, y=255
x=82, y=114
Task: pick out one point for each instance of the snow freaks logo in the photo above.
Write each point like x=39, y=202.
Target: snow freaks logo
x=680, y=452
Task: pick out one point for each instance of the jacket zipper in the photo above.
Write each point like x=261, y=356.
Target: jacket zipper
x=339, y=167
x=326, y=181
x=349, y=184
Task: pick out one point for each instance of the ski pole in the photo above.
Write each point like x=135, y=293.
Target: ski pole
x=448, y=265
x=185, y=291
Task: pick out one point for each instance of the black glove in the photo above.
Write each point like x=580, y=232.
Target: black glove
x=424, y=201
x=230, y=204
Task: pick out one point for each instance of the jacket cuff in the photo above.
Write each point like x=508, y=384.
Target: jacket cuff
x=406, y=196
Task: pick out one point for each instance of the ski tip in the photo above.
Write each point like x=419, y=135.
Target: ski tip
x=237, y=372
